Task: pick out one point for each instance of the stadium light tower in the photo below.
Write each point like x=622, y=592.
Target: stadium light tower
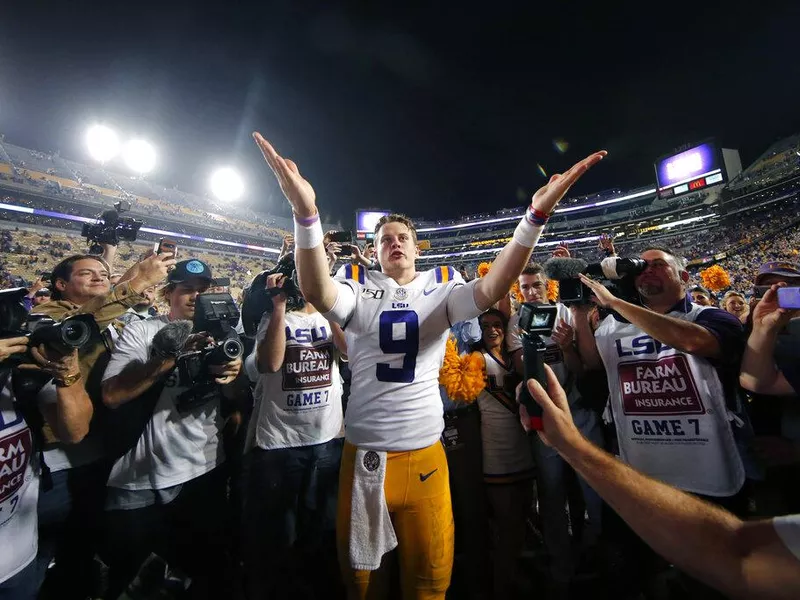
x=140, y=156
x=227, y=184
x=103, y=143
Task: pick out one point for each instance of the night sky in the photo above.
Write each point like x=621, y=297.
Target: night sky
x=436, y=111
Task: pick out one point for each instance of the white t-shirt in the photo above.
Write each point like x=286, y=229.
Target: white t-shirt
x=174, y=447
x=506, y=448
x=395, y=343
x=301, y=404
x=553, y=356
x=669, y=409
x=19, y=489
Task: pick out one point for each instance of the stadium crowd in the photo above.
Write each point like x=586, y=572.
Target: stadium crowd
x=332, y=422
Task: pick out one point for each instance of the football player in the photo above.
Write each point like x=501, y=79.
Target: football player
x=393, y=484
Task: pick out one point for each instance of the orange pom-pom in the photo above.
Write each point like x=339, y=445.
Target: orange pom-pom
x=715, y=278
x=552, y=290
x=483, y=268
x=463, y=377
x=516, y=292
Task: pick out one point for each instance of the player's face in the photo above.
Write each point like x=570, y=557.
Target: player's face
x=492, y=332
x=89, y=279
x=182, y=298
x=533, y=288
x=396, y=248
x=661, y=276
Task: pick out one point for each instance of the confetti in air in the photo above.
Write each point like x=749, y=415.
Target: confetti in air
x=541, y=170
x=561, y=145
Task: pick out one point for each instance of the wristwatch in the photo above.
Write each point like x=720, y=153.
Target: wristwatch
x=68, y=380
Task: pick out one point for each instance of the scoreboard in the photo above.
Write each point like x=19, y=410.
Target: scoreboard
x=366, y=221
x=698, y=167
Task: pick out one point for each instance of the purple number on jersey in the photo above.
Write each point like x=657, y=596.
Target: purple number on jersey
x=408, y=345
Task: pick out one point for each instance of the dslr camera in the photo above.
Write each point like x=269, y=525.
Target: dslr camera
x=111, y=228
x=217, y=315
x=616, y=274
x=258, y=299
x=15, y=321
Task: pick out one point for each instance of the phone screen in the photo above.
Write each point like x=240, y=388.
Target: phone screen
x=342, y=237
x=167, y=246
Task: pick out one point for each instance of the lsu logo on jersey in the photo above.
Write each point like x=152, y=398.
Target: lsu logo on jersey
x=306, y=336
x=639, y=346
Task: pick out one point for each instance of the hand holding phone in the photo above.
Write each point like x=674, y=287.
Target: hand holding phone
x=166, y=245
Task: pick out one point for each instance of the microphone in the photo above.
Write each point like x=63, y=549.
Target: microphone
x=564, y=268
x=171, y=338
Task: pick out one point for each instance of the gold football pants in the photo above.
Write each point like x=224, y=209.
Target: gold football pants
x=417, y=490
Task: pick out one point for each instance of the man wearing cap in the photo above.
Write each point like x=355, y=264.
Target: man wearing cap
x=166, y=494
x=68, y=513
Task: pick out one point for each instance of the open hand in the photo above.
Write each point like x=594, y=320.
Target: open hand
x=547, y=196
x=601, y=294
x=563, y=334
x=297, y=190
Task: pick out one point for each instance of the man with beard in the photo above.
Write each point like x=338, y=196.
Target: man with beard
x=672, y=372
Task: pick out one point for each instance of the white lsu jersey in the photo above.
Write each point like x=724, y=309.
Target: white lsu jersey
x=395, y=343
x=19, y=489
x=669, y=410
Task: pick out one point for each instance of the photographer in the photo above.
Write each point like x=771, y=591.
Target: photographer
x=671, y=367
x=295, y=441
x=20, y=442
x=69, y=512
x=166, y=493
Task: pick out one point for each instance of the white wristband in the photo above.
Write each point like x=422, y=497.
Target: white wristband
x=527, y=234
x=308, y=237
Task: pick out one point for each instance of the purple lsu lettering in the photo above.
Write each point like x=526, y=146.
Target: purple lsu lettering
x=305, y=335
x=643, y=344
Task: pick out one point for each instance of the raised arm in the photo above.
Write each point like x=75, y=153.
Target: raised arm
x=743, y=560
x=759, y=372
x=513, y=258
x=312, y=263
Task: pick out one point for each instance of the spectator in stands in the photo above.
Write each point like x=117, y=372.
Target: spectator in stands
x=671, y=368
x=294, y=450
x=735, y=303
x=167, y=491
x=756, y=559
x=68, y=513
x=701, y=296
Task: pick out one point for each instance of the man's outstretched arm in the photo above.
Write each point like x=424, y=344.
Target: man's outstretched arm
x=743, y=560
x=312, y=263
x=513, y=258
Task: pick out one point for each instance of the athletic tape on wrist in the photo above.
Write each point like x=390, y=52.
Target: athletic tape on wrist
x=308, y=237
x=527, y=234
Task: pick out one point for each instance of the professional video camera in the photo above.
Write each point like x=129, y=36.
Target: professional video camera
x=258, y=299
x=618, y=275
x=536, y=322
x=73, y=332
x=111, y=228
x=217, y=315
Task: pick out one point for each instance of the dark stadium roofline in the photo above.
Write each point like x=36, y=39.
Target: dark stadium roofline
x=567, y=209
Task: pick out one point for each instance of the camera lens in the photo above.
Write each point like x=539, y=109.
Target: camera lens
x=232, y=349
x=75, y=333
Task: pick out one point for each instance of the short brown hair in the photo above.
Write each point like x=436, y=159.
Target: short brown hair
x=534, y=269
x=396, y=218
